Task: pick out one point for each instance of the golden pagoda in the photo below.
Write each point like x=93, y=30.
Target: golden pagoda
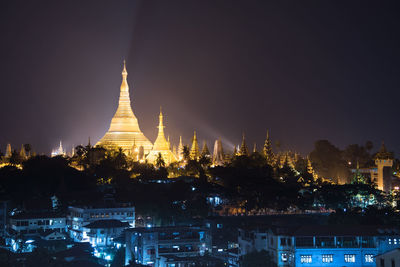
x=180, y=149
x=124, y=130
x=161, y=146
x=194, y=151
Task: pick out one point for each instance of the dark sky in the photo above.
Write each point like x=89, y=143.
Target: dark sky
x=306, y=70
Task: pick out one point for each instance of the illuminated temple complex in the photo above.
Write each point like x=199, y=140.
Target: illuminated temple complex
x=124, y=130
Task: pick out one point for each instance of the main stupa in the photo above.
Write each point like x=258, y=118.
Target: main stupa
x=124, y=130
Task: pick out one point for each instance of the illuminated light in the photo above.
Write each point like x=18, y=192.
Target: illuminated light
x=148, y=226
x=108, y=257
x=29, y=241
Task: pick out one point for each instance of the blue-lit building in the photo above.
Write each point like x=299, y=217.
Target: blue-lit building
x=342, y=245
x=79, y=217
x=155, y=246
x=321, y=245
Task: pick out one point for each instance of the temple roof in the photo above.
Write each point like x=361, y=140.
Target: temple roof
x=383, y=153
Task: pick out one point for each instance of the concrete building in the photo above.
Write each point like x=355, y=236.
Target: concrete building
x=155, y=246
x=33, y=223
x=79, y=217
x=320, y=245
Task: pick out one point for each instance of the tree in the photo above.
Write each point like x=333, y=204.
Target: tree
x=15, y=158
x=28, y=149
x=354, y=154
x=257, y=259
x=160, y=161
x=186, y=153
x=327, y=161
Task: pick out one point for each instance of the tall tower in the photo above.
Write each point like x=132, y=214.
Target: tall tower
x=194, y=150
x=267, y=150
x=161, y=145
x=384, y=162
x=124, y=128
x=22, y=153
x=180, y=149
x=243, y=151
x=218, y=154
x=204, y=151
x=8, y=151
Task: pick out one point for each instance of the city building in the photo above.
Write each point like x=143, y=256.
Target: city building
x=153, y=246
x=384, y=163
x=26, y=229
x=318, y=245
x=80, y=217
x=124, y=131
x=33, y=223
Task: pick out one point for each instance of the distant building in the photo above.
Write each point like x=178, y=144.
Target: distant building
x=382, y=174
x=103, y=232
x=34, y=223
x=79, y=217
x=152, y=246
x=58, y=151
x=317, y=245
x=24, y=230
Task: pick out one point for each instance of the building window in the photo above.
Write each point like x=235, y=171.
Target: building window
x=327, y=258
x=305, y=259
x=390, y=241
x=283, y=241
x=284, y=257
x=395, y=241
x=369, y=258
x=349, y=257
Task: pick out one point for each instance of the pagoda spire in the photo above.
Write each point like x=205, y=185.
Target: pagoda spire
x=205, y=151
x=180, y=148
x=22, y=153
x=218, y=154
x=267, y=150
x=161, y=145
x=243, y=151
x=124, y=127
x=8, y=151
x=194, y=151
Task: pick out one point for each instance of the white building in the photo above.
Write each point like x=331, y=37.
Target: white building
x=79, y=217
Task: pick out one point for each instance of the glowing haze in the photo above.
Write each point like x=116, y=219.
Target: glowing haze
x=323, y=70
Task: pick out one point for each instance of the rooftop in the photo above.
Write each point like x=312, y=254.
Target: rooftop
x=345, y=230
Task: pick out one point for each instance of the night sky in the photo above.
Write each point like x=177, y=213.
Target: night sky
x=305, y=70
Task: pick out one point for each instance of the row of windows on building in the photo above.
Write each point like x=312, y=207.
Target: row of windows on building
x=38, y=222
x=108, y=214
x=328, y=258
